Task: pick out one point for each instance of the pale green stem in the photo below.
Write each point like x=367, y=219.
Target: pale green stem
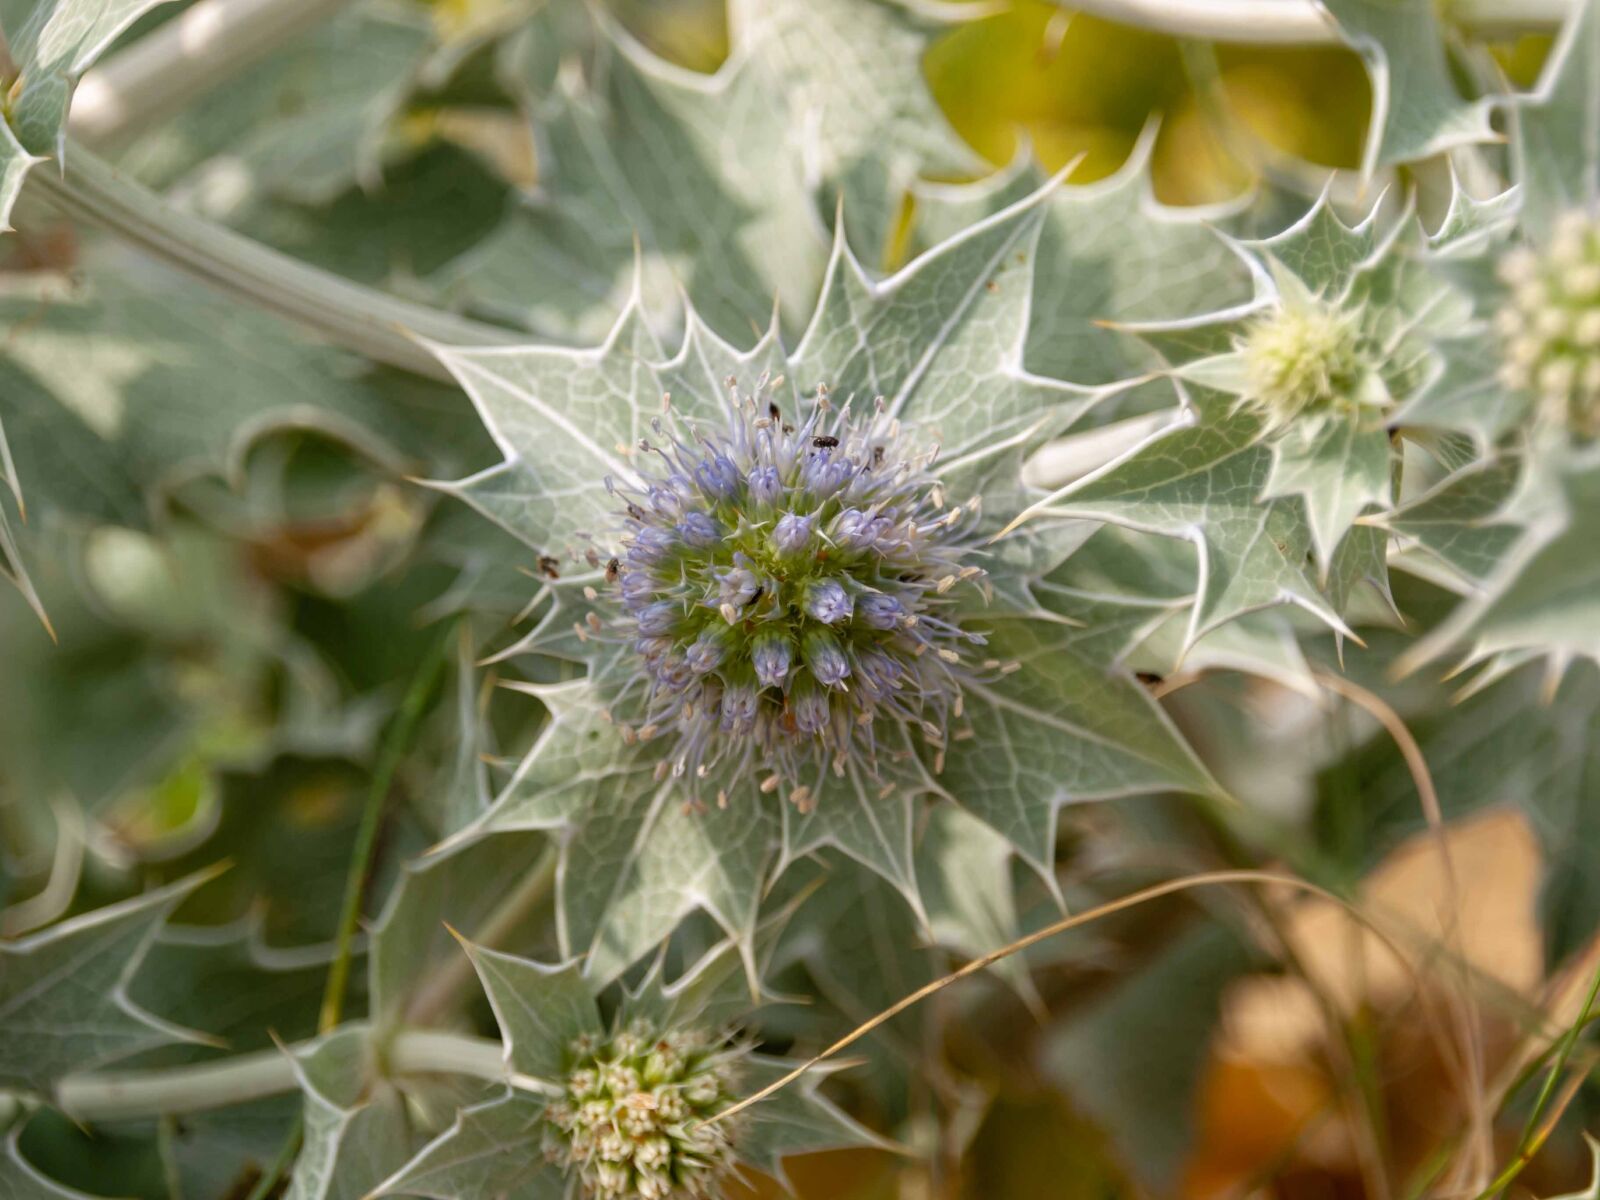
x=361, y=319
x=210, y=43
x=121, y=1095
x=1303, y=22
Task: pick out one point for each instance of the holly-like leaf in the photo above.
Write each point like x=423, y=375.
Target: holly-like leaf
x=716, y=186
x=1201, y=480
x=1556, y=144
x=633, y=860
x=492, y=1149
x=355, y=1129
x=690, y=177
x=1417, y=110
x=540, y=1009
x=64, y=1003
x=855, y=100
x=1109, y=254
x=1460, y=522
x=56, y=44
x=1543, y=594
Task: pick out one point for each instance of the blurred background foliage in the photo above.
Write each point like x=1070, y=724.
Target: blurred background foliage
x=235, y=619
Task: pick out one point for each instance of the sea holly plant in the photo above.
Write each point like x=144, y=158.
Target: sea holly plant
x=779, y=575
x=656, y=566
x=625, y=1103
x=1288, y=434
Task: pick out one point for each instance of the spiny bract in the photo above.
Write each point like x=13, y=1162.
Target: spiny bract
x=633, y=1119
x=1550, y=324
x=786, y=585
x=1303, y=358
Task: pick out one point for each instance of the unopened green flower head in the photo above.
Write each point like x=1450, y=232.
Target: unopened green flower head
x=789, y=584
x=632, y=1124
x=1550, y=324
x=1302, y=358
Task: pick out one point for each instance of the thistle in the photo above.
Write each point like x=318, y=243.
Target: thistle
x=1307, y=360
x=632, y=1121
x=786, y=586
x=1550, y=324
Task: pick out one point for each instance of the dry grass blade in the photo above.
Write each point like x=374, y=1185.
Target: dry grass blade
x=1463, y=1001
x=1121, y=904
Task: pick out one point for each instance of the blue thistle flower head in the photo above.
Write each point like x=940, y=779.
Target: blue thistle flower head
x=787, y=585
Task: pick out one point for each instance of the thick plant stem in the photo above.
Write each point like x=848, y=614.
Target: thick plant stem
x=113, y=1096
x=209, y=44
x=361, y=319
x=1304, y=22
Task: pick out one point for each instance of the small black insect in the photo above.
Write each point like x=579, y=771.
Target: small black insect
x=824, y=442
x=613, y=569
x=775, y=413
x=635, y=511
x=877, y=456
x=548, y=565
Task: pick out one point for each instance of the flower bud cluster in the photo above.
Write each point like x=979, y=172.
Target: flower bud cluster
x=786, y=583
x=1550, y=324
x=632, y=1122
x=1303, y=358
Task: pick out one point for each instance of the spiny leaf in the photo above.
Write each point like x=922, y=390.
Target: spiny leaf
x=1416, y=109
x=1556, y=143
x=1109, y=253
x=540, y=1009
x=53, y=47
x=492, y=1149
x=1460, y=521
x=64, y=1002
x=1201, y=480
x=854, y=99
x=355, y=1128
x=1543, y=596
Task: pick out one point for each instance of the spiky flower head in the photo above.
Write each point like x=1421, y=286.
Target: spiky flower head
x=786, y=583
x=632, y=1122
x=1302, y=359
x=1550, y=324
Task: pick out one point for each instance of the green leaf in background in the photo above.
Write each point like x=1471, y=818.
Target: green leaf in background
x=1543, y=595
x=494, y=1148
x=1201, y=480
x=20, y=1181
x=1417, y=110
x=1143, y=1091
x=57, y=42
x=64, y=1003
x=1110, y=253
x=1556, y=150
x=1460, y=522
x=855, y=101
x=721, y=184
